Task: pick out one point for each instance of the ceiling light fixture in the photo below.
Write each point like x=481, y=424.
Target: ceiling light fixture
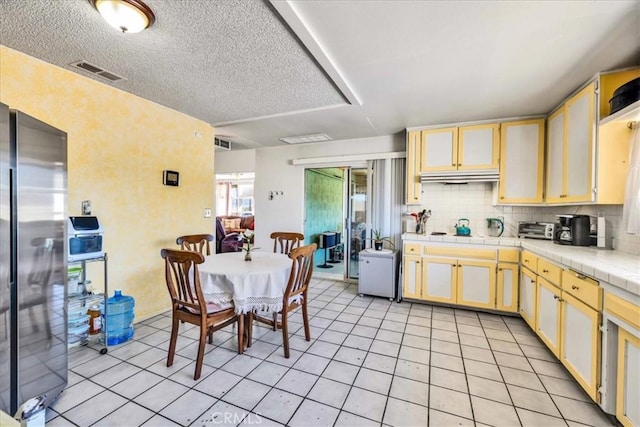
x=128, y=16
x=318, y=137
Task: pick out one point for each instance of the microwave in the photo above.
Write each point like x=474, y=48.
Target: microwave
x=85, y=238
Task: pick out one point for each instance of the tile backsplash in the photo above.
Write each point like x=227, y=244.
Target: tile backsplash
x=474, y=201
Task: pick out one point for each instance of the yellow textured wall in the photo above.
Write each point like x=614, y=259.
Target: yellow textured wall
x=118, y=146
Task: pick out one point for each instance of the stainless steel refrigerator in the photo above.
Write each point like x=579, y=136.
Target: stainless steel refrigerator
x=33, y=262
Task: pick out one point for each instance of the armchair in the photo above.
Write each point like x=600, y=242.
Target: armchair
x=231, y=242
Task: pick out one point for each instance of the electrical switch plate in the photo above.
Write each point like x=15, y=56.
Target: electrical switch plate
x=86, y=207
x=207, y=213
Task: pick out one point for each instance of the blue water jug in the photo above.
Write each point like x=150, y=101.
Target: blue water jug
x=119, y=318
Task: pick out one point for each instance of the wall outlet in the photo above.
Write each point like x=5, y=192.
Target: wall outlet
x=86, y=207
x=207, y=212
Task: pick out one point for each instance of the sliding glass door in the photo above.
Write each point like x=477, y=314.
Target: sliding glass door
x=336, y=218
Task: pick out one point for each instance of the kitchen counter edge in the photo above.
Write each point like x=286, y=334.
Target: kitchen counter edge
x=616, y=268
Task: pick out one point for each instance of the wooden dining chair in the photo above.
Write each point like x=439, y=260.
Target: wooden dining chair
x=189, y=305
x=196, y=243
x=295, y=295
x=285, y=241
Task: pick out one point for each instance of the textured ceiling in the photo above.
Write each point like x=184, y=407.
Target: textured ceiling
x=353, y=69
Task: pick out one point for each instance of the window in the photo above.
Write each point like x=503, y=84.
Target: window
x=234, y=194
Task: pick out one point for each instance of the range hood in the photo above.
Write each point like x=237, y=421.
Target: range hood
x=461, y=176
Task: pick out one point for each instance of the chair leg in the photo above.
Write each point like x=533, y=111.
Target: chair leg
x=210, y=334
x=201, y=345
x=241, y=333
x=249, y=327
x=275, y=321
x=305, y=320
x=285, y=334
x=172, y=342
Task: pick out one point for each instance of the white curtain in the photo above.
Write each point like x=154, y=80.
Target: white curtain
x=387, y=198
x=631, y=209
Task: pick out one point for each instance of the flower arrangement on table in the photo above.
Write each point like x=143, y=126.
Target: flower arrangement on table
x=247, y=238
x=421, y=219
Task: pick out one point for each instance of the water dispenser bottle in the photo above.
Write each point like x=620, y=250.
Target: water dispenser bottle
x=119, y=318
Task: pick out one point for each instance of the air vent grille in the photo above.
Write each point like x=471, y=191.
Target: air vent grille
x=107, y=75
x=222, y=144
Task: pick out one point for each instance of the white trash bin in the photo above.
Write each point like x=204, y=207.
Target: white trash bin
x=32, y=413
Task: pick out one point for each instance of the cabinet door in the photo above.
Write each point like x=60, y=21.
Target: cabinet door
x=580, y=343
x=521, y=161
x=555, y=157
x=412, y=276
x=414, y=187
x=548, y=314
x=440, y=276
x=478, y=146
x=476, y=283
x=439, y=149
x=528, y=297
x=507, y=287
x=628, y=386
x=580, y=123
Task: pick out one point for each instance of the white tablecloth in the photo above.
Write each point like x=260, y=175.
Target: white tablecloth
x=251, y=285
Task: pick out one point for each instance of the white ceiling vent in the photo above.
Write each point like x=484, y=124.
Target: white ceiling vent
x=90, y=68
x=222, y=144
x=319, y=137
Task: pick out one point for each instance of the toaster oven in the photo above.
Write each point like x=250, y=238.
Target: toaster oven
x=536, y=230
x=85, y=238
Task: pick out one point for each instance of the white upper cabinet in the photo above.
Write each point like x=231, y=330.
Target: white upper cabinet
x=521, y=161
x=460, y=148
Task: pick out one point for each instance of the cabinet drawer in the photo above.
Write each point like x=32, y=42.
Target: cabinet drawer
x=625, y=310
x=508, y=255
x=582, y=287
x=549, y=271
x=412, y=248
x=530, y=261
x=459, y=252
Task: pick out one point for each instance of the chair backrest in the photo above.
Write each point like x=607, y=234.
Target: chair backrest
x=284, y=242
x=183, y=280
x=301, y=271
x=196, y=243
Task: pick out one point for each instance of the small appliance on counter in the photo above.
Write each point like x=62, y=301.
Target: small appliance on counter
x=573, y=230
x=536, y=230
x=85, y=238
x=495, y=226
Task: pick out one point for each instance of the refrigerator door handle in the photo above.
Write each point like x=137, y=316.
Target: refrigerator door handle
x=12, y=234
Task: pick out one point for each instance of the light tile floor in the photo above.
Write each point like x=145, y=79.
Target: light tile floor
x=370, y=362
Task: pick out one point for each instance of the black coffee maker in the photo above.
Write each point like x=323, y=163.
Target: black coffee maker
x=573, y=230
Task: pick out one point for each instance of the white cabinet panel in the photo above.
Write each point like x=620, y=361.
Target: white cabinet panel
x=528, y=297
x=628, y=392
x=440, y=278
x=548, y=315
x=476, y=147
x=580, y=128
x=555, y=155
x=476, y=283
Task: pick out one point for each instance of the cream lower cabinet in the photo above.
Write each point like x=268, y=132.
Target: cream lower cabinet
x=548, y=314
x=528, y=294
x=628, y=370
x=580, y=338
x=456, y=281
x=412, y=276
x=507, y=287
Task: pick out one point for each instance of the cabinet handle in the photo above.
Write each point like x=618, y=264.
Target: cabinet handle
x=526, y=261
x=500, y=269
x=501, y=197
x=545, y=271
x=453, y=164
x=581, y=276
x=459, y=164
x=557, y=297
x=575, y=287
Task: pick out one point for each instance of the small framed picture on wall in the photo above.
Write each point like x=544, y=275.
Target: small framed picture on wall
x=171, y=178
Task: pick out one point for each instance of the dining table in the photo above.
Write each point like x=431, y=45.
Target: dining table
x=258, y=284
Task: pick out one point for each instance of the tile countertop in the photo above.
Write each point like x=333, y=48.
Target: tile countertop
x=619, y=269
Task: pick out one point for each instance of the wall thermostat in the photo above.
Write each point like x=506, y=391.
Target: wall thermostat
x=171, y=178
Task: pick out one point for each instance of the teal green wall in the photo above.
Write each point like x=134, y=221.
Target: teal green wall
x=323, y=204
